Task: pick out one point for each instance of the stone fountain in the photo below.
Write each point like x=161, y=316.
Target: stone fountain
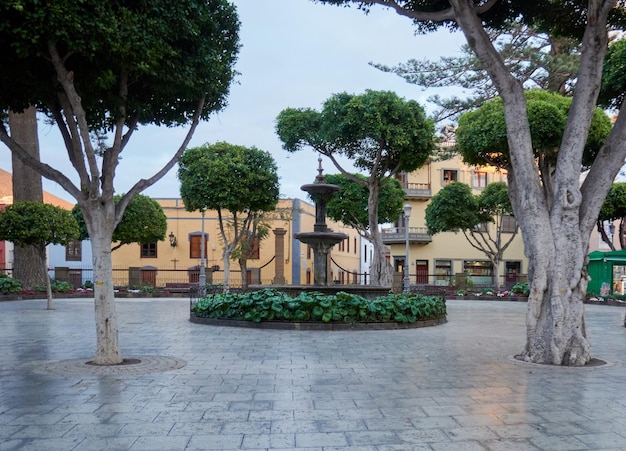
x=321, y=239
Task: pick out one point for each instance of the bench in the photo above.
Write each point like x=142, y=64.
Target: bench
x=178, y=287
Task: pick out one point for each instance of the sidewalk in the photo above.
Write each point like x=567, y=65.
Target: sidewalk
x=449, y=387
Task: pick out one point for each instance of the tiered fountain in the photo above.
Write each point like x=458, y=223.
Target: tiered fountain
x=322, y=240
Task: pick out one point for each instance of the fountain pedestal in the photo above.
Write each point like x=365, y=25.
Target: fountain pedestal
x=322, y=239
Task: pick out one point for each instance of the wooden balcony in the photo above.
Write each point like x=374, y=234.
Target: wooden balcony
x=417, y=191
x=397, y=235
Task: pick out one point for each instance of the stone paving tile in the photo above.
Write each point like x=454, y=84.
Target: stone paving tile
x=456, y=446
x=309, y=439
x=105, y=443
x=510, y=445
x=160, y=443
x=449, y=387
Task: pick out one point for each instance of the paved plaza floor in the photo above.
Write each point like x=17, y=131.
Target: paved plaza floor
x=449, y=387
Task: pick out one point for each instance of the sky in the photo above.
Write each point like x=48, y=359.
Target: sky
x=295, y=53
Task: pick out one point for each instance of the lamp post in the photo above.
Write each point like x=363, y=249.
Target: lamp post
x=407, y=215
x=612, y=231
x=202, y=276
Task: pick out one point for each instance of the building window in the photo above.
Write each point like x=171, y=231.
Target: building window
x=355, y=247
x=195, y=245
x=365, y=253
x=443, y=272
x=450, y=175
x=509, y=224
x=308, y=252
x=479, y=271
x=479, y=179
x=74, y=251
x=149, y=250
x=348, y=244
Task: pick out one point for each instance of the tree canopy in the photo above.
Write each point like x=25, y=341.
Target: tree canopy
x=378, y=131
x=349, y=204
x=614, y=76
x=143, y=222
x=32, y=223
x=613, y=209
x=241, y=181
x=482, y=134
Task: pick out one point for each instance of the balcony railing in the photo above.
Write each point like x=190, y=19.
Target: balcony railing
x=397, y=235
x=417, y=191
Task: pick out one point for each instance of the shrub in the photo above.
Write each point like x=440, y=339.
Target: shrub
x=147, y=289
x=273, y=305
x=521, y=288
x=9, y=284
x=56, y=286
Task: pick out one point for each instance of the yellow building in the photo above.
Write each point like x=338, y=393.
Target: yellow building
x=444, y=258
x=279, y=258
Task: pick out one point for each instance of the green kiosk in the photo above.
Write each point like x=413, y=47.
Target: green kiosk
x=608, y=273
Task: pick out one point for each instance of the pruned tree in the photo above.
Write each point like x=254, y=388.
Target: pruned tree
x=556, y=223
x=36, y=224
x=143, y=222
x=349, y=204
x=158, y=62
x=381, y=133
x=238, y=182
x=479, y=217
x=613, y=209
x=482, y=139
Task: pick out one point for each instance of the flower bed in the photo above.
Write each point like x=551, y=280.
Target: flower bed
x=341, y=308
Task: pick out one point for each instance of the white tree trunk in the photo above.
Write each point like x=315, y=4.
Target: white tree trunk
x=100, y=223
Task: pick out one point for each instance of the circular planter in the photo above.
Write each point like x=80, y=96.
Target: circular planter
x=314, y=325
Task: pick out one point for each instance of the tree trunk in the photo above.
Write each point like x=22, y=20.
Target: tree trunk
x=29, y=267
x=99, y=218
x=381, y=272
x=226, y=260
x=556, y=332
x=243, y=266
x=496, y=274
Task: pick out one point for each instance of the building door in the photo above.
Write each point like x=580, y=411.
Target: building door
x=421, y=272
x=148, y=276
x=512, y=271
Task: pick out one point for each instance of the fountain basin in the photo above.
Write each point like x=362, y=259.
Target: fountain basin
x=322, y=238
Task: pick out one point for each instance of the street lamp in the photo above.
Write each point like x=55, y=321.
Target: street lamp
x=202, y=276
x=407, y=215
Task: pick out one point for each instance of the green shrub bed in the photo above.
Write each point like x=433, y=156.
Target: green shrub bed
x=342, y=307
